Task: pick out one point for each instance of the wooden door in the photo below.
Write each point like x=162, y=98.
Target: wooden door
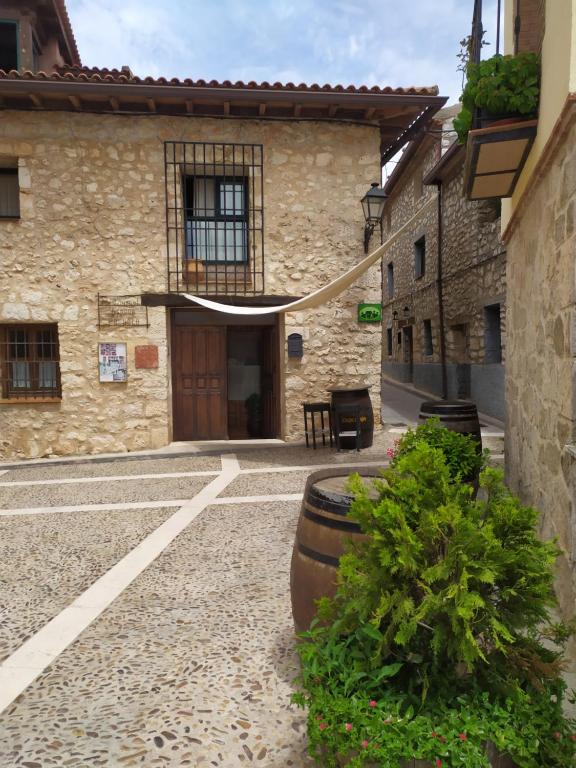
x=199, y=380
x=269, y=383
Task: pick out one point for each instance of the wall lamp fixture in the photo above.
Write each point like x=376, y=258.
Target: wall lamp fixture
x=373, y=206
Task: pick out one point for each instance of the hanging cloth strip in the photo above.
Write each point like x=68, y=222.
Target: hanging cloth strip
x=321, y=295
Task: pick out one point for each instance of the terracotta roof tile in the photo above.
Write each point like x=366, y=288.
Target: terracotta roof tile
x=61, y=9
x=103, y=75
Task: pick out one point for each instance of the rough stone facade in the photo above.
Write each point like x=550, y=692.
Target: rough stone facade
x=93, y=221
x=540, y=376
x=473, y=278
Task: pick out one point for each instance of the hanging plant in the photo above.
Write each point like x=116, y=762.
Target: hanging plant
x=503, y=86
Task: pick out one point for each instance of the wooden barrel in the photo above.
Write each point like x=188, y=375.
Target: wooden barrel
x=359, y=396
x=322, y=530
x=455, y=415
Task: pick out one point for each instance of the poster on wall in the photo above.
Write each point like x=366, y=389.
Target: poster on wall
x=112, y=361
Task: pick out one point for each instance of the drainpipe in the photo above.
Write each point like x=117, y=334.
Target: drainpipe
x=440, y=298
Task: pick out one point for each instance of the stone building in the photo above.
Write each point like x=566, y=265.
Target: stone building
x=119, y=194
x=539, y=229
x=443, y=314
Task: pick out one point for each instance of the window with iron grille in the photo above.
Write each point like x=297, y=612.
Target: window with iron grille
x=29, y=362
x=390, y=350
x=214, y=217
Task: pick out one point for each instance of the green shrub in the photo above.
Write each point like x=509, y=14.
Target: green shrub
x=462, y=454
x=440, y=617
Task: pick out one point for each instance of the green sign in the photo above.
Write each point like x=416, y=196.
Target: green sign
x=369, y=313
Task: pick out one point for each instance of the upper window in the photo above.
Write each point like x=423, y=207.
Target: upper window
x=216, y=219
x=9, y=193
x=8, y=45
x=390, y=280
x=492, y=334
x=29, y=362
x=427, y=344
x=420, y=257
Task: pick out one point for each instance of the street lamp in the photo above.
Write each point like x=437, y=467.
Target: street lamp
x=372, y=205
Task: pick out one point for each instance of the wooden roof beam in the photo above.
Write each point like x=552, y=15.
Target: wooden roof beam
x=262, y=109
x=151, y=104
x=369, y=113
x=76, y=102
x=189, y=107
x=36, y=100
x=332, y=109
x=297, y=110
x=226, y=106
x=114, y=103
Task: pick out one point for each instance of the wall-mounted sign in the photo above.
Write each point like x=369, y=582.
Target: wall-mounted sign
x=112, y=364
x=369, y=313
x=146, y=356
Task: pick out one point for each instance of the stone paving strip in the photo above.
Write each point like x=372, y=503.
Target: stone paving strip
x=46, y=562
x=40, y=650
x=134, y=491
x=191, y=666
x=123, y=465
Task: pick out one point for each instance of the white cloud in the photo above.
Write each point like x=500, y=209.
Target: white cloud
x=372, y=42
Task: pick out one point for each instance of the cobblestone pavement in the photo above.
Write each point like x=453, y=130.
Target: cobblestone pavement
x=145, y=609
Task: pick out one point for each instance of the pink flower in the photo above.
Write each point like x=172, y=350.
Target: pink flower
x=365, y=744
x=387, y=721
x=348, y=726
x=372, y=703
x=434, y=734
x=462, y=737
x=390, y=452
x=438, y=763
x=557, y=735
x=323, y=726
x=573, y=736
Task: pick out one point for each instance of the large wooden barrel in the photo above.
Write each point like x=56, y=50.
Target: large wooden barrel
x=360, y=396
x=322, y=530
x=456, y=415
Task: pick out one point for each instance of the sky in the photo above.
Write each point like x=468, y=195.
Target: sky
x=358, y=42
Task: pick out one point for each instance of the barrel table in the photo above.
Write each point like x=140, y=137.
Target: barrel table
x=322, y=530
x=356, y=394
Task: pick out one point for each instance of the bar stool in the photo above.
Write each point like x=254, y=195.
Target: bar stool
x=312, y=409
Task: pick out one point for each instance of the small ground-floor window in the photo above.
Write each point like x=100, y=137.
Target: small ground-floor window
x=29, y=362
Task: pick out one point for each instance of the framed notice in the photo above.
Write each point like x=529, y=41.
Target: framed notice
x=112, y=365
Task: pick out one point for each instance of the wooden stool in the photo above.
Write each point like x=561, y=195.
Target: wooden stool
x=312, y=409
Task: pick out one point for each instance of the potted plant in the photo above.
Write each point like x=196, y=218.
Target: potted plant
x=438, y=649
x=503, y=87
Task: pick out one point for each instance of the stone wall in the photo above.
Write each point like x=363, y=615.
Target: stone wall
x=540, y=391
x=93, y=220
x=474, y=277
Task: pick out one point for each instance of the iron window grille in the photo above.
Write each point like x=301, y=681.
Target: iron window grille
x=214, y=218
x=29, y=362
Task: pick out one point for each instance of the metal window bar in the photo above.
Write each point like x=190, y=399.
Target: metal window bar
x=214, y=218
x=29, y=362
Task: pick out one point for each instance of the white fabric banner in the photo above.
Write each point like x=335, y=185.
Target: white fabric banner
x=319, y=296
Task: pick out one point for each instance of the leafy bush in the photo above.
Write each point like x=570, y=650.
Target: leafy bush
x=502, y=85
x=441, y=621
x=462, y=454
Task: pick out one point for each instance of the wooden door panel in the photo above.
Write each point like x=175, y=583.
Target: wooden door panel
x=199, y=382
